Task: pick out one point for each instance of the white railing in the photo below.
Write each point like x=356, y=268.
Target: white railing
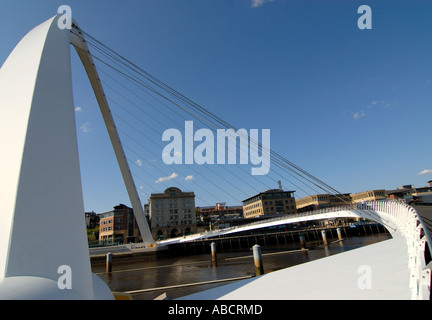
x=410, y=225
x=399, y=218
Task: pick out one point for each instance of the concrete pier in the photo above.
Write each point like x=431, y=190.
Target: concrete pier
x=339, y=233
x=213, y=254
x=324, y=237
x=259, y=268
x=109, y=262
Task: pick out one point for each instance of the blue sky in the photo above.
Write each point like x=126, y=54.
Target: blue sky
x=351, y=106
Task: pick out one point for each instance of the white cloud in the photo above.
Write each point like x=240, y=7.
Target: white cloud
x=139, y=162
x=259, y=3
x=373, y=105
x=358, y=115
x=426, y=171
x=382, y=103
x=78, y=109
x=162, y=179
x=385, y=104
x=189, y=178
x=85, y=127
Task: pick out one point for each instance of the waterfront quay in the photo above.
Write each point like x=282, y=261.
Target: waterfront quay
x=187, y=268
x=277, y=236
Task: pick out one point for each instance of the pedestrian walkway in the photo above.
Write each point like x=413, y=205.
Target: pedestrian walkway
x=378, y=271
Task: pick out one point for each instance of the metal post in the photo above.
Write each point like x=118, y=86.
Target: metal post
x=324, y=236
x=339, y=233
x=259, y=269
x=302, y=241
x=109, y=262
x=213, y=253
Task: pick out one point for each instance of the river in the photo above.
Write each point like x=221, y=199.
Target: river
x=140, y=274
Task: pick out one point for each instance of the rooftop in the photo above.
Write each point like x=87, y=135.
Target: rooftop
x=270, y=191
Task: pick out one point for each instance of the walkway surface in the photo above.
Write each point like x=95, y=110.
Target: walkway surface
x=377, y=271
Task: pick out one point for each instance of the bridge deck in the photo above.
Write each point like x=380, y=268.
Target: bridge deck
x=334, y=277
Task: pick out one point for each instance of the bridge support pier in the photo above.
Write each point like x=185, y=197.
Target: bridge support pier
x=324, y=237
x=339, y=233
x=213, y=254
x=109, y=262
x=259, y=269
x=302, y=241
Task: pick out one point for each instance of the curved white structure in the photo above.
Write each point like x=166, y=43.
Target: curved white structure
x=403, y=265
x=43, y=244
x=77, y=40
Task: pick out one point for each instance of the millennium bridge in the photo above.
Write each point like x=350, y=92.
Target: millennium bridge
x=37, y=128
x=397, y=268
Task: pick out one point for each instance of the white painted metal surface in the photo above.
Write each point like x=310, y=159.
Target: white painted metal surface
x=77, y=39
x=42, y=214
x=43, y=225
x=344, y=276
x=401, y=266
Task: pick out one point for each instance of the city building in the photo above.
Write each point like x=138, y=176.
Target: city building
x=412, y=194
x=219, y=214
x=321, y=201
x=399, y=193
x=119, y=225
x=92, y=220
x=370, y=195
x=172, y=213
x=270, y=202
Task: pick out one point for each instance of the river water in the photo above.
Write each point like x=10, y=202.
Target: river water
x=131, y=275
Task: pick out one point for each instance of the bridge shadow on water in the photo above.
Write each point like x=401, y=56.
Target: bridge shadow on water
x=187, y=268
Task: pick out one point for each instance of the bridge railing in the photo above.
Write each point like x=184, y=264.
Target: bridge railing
x=401, y=219
x=211, y=233
x=297, y=215
x=419, y=245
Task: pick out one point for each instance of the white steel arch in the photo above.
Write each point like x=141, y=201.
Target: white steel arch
x=78, y=41
x=43, y=227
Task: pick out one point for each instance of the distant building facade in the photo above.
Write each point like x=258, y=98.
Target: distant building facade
x=172, y=213
x=370, y=195
x=270, y=202
x=119, y=225
x=412, y=195
x=219, y=213
x=322, y=201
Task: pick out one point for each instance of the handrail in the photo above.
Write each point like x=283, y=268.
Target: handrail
x=400, y=218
